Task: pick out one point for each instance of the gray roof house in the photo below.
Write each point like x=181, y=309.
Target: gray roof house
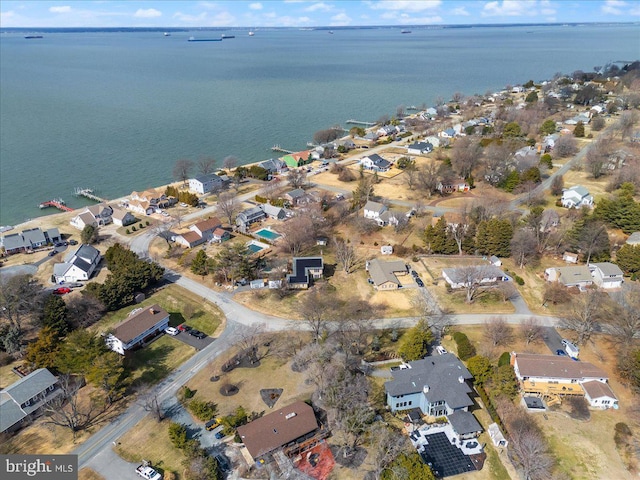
x=273, y=212
x=606, y=275
x=376, y=163
x=384, y=275
x=484, y=274
x=78, y=265
x=249, y=216
x=634, y=239
x=575, y=276
x=35, y=237
x=206, y=183
x=464, y=424
x=25, y=397
x=419, y=148
x=274, y=165
x=14, y=243
x=438, y=385
x=373, y=210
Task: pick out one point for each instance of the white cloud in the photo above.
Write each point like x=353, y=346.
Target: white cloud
x=635, y=11
x=548, y=11
x=613, y=7
x=255, y=6
x=508, y=8
x=460, y=11
x=186, y=18
x=147, y=13
x=288, y=21
x=340, y=20
x=61, y=9
x=405, y=5
x=321, y=6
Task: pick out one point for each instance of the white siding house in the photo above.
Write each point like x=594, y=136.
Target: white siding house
x=576, y=197
x=142, y=326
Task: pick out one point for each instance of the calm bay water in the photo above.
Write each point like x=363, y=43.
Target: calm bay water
x=114, y=111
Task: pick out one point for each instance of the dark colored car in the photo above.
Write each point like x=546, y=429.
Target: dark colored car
x=472, y=444
x=219, y=435
x=196, y=333
x=73, y=242
x=61, y=290
x=52, y=253
x=562, y=353
x=414, y=274
x=419, y=282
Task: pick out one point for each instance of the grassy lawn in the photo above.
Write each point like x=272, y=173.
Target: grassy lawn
x=149, y=440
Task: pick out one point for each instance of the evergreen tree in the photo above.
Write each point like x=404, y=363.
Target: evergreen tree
x=628, y=258
x=578, y=131
x=54, y=315
x=43, y=352
x=480, y=367
x=438, y=239
x=532, y=97
x=494, y=237
x=408, y=466
x=416, y=341
x=547, y=161
x=510, y=181
x=107, y=372
x=512, y=129
x=548, y=127
x=621, y=210
x=200, y=264
x=531, y=175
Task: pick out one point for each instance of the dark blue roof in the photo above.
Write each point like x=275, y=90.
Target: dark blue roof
x=301, y=266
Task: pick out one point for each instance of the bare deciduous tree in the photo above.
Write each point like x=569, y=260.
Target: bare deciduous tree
x=297, y=177
x=206, y=165
x=230, y=162
x=471, y=279
x=385, y=445
x=318, y=310
x=345, y=254
x=182, y=170
x=298, y=232
x=585, y=315
x=565, y=146
x=427, y=308
x=465, y=155
x=531, y=330
x=149, y=403
x=524, y=246
x=625, y=323
x=249, y=339
x=498, y=331
x=228, y=206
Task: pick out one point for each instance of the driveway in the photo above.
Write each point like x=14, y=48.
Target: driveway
x=8, y=272
x=552, y=339
x=197, y=343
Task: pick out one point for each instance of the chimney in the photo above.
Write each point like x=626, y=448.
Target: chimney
x=461, y=379
x=425, y=389
x=152, y=311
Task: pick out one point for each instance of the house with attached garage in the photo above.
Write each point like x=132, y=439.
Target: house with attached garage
x=273, y=212
x=189, y=239
x=452, y=186
x=438, y=386
x=24, y=399
x=274, y=166
x=208, y=183
x=249, y=216
x=384, y=275
x=372, y=210
x=28, y=240
x=419, y=148
x=305, y=271
x=142, y=326
x=122, y=218
x=141, y=207
x=84, y=219
x=483, y=274
x=220, y=235
x=375, y=163
x=206, y=228
x=576, y=197
x=574, y=276
x=298, y=197
x=78, y=265
x=101, y=212
x=606, y=275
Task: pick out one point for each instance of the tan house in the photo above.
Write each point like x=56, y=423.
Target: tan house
x=82, y=220
x=384, y=275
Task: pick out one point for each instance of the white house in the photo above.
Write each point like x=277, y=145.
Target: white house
x=419, y=148
x=575, y=276
x=78, y=265
x=142, y=326
x=599, y=395
x=464, y=276
x=189, y=239
x=206, y=183
x=122, y=218
x=435, y=141
x=206, y=228
x=606, y=275
x=82, y=220
x=576, y=197
x=376, y=163
x=373, y=210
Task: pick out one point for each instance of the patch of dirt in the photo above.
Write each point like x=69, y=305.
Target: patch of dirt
x=229, y=390
x=270, y=396
x=353, y=461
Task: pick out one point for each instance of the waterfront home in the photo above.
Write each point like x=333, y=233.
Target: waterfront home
x=292, y=425
x=28, y=240
x=141, y=207
x=437, y=385
x=386, y=130
x=142, y=326
x=606, y=275
x=383, y=275
x=375, y=163
x=419, y=148
x=274, y=166
x=122, y=218
x=575, y=276
x=249, y=216
x=461, y=277
x=576, y=197
x=347, y=143
x=372, y=210
x=101, y=212
x=208, y=183
x=83, y=220
x=305, y=271
x=25, y=399
x=78, y=265
x=298, y=159
x=554, y=376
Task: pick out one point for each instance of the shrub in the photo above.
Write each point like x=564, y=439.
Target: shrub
x=147, y=223
x=261, y=199
x=202, y=410
x=465, y=349
x=505, y=359
x=127, y=231
x=187, y=393
x=519, y=280
x=178, y=434
x=141, y=226
x=134, y=229
x=346, y=175
x=622, y=433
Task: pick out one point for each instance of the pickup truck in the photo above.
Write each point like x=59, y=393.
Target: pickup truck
x=147, y=472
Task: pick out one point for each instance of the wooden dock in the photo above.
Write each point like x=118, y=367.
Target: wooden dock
x=56, y=203
x=359, y=122
x=278, y=148
x=88, y=193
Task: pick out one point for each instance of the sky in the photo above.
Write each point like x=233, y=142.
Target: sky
x=298, y=13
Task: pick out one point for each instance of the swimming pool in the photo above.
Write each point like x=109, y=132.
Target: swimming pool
x=254, y=248
x=268, y=234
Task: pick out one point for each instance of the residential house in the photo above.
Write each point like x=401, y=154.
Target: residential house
x=280, y=429
x=584, y=117
x=464, y=424
x=274, y=166
x=437, y=385
x=78, y=265
x=14, y=243
x=220, y=235
x=52, y=235
x=419, y=148
x=101, y=212
x=606, y=275
x=35, y=237
x=570, y=257
x=141, y=327
x=373, y=210
x=495, y=261
x=347, y=143
x=273, y=212
x=297, y=197
x=371, y=136
x=557, y=376
x=384, y=274
x=448, y=133
x=28, y=240
x=249, y=216
x=83, y=220
x=208, y=183
x=576, y=276
x=122, y=218
x=189, y=239
x=550, y=141
x=451, y=186
x=206, y=228
x=386, y=130
x=576, y=197
x=156, y=198
x=483, y=274
x=435, y=141
x=141, y=207
x=25, y=398
x=390, y=217
x=375, y=163
x=634, y=239
x=305, y=271
x=298, y=159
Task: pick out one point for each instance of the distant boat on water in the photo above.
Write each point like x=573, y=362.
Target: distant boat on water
x=251, y=33
x=228, y=36
x=330, y=32
x=29, y=37
x=194, y=39
x=167, y=34
x=405, y=31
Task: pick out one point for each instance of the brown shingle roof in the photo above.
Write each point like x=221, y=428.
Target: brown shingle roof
x=278, y=428
x=209, y=224
x=191, y=236
x=596, y=389
x=142, y=321
x=556, y=366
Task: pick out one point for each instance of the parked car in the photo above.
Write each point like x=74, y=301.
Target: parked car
x=74, y=285
x=61, y=290
x=562, y=353
x=171, y=331
x=184, y=205
x=53, y=252
x=219, y=435
x=414, y=274
x=184, y=327
x=60, y=244
x=73, y=242
x=441, y=350
x=212, y=424
x=196, y=333
x=419, y=282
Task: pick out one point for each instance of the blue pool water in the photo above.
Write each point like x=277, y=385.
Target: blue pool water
x=268, y=234
x=254, y=248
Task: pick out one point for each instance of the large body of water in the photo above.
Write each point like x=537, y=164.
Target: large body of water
x=114, y=111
